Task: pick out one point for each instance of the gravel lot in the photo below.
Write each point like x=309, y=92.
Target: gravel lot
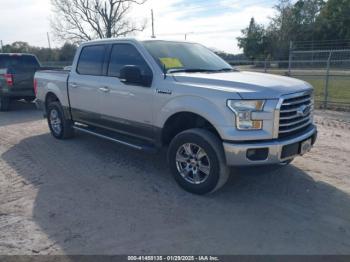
x=90, y=196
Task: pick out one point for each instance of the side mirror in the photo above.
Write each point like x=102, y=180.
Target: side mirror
x=131, y=74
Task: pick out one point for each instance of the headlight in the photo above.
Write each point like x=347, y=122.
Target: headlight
x=243, y=110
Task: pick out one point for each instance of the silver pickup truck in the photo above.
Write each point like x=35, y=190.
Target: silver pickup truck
x=181, y=96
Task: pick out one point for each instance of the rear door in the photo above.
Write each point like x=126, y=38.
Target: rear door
x=85, y=82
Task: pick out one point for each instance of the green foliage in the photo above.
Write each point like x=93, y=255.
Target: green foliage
x=305, y=20
x=333, y=21
x=65, y=53
x=253, y=41
x=291, y=23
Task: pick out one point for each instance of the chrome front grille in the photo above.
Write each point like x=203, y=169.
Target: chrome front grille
x=296, y=114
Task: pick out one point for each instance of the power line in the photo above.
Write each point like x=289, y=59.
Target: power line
x=200, y=32
x=202, y=7
x=218, y=7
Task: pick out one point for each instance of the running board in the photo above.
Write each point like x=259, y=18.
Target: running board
x=120, y=139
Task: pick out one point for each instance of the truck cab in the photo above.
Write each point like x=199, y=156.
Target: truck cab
x=181, y=96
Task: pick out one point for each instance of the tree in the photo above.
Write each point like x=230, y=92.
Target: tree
x=292, y=22
x=67, y=52
x=253, y=41
x=83, y=20
x=280, y=30
x=334, y=20
x=18, y=47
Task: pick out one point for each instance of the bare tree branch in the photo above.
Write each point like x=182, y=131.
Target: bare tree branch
x=83, y=20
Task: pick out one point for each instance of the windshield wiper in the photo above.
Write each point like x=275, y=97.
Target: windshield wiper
x=226, y=70
x=189, y=70
x=199, y=70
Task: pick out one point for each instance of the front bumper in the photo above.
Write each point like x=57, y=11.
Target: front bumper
x=236, y=153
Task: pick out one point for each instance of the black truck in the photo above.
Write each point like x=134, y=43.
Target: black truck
x=16, y=78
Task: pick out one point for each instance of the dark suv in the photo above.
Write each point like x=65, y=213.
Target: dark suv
x=16, y=78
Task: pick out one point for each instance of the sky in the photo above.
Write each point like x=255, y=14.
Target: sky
x=214, y=23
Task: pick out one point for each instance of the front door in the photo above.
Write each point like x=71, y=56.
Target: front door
x=127, y=108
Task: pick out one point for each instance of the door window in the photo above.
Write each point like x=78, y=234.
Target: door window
x=123, y=55
x=91, y=60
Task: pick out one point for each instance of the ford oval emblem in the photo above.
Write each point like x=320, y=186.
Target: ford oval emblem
x=303, y=111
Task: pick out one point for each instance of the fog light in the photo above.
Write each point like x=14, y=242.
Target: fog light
x=257, y=154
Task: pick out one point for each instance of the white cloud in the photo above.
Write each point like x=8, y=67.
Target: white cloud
x=24, y=20
x=215, y=24
x=216, y=31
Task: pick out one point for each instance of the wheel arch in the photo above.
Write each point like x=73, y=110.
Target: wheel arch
x=184, y=120
x=52, y=97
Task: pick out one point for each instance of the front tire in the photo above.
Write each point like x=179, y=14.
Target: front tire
x=197, y=162
x=60, y=127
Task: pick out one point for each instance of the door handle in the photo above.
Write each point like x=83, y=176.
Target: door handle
x=104, y=89
x=74, y=85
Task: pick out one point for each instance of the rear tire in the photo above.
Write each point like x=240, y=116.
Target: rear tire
x=4, y=103
x=60, y=127
x=197, y=161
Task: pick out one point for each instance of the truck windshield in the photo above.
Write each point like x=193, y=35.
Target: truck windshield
x=185, y=57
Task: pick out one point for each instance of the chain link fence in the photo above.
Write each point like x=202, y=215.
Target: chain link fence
x=328, y=71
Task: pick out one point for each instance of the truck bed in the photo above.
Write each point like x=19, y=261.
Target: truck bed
x=55, y=81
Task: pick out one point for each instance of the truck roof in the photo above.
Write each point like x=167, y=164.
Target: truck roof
x=122, y=39
x=16, y=54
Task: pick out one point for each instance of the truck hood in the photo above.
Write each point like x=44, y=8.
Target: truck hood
x=248, y=85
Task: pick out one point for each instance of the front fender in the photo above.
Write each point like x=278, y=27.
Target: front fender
x=216, y=114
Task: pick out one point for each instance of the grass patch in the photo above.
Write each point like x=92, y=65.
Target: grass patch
x=339, y=85
x=338, y=90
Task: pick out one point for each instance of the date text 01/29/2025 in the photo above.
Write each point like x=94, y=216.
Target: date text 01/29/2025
x=173, y=258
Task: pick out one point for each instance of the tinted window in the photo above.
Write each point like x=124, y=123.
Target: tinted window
x=13, y=61
x=125, y=54
x=91, y=60
x=28, y=61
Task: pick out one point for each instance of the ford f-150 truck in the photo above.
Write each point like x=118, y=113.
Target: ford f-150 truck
x=16, y=78
x=181, y=96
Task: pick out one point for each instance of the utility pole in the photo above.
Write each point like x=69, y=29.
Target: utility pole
x=153, y=35
x=48, y=40
x=188, y=33
x=290, y=58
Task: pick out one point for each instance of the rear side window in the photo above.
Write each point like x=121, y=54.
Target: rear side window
x=126, y=54
x=91, y=60
x=18, y=61
x=28, y=61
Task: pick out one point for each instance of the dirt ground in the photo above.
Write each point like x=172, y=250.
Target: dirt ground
x=90, y=196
